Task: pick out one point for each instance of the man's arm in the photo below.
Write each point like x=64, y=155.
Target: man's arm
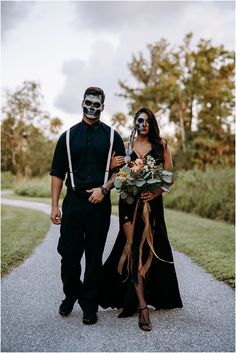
x=56, y=186
x=119, y=149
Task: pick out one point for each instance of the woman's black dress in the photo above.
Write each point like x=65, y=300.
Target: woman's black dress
x=160, y=284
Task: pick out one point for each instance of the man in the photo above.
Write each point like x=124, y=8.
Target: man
x=86, y=208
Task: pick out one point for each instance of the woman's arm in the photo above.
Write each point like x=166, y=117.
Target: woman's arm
x=116, y=161
x=168, y=163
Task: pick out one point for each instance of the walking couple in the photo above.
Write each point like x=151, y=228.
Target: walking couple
x=90, y=153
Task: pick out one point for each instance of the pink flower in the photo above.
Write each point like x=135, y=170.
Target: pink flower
x=139, y=162
x=135, y=168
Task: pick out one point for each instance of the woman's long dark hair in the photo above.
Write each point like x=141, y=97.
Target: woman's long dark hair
x=154, y=132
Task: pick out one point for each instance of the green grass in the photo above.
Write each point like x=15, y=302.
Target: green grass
x=209, y=243
x=22, y=230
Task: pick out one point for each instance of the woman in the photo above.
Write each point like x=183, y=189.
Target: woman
x=132, y=288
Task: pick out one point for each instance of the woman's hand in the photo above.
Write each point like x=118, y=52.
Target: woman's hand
x=149, y=196
x=116, y=161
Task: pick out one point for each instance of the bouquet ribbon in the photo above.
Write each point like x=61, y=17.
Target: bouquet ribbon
x=148, y=236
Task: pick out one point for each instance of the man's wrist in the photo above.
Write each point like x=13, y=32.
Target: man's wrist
x=55, y=206
x=104, y=190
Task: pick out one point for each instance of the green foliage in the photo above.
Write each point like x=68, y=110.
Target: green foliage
x=36, y=187
x=203, y=151
x=27, y=132
x=194, y=88
x=209, y=243
x=119, y=121
x=22, y=231
x=141, y=176
x=209, y=194
x=7, y=180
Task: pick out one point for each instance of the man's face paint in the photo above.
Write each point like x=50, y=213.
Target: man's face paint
x=92, y=106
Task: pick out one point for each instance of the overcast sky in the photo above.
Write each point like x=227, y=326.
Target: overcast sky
x=70, y=45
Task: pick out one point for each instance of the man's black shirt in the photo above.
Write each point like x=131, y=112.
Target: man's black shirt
x=89, y=146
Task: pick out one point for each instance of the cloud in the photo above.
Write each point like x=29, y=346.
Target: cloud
x=101, y=69
x=134, y=25
x=12, y=14
x=118, y=15
x=135, y=20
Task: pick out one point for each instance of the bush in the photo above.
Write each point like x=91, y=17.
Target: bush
x=209, y=194
x=7, y=180
x=36, y=187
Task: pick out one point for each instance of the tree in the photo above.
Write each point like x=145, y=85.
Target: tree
x=193, y=86
x=27, y=132
x=119, y=121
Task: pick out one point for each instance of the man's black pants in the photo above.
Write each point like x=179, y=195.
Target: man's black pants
x=84, y=228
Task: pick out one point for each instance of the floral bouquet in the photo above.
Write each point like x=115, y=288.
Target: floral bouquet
x=141, y=176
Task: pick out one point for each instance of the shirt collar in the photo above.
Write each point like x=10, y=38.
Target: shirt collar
x=94, y=126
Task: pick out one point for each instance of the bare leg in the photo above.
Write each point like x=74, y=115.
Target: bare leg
x=127, y=312
x=144, y=321
x=140, y=293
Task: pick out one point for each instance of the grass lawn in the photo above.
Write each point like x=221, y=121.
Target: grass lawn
x=209, y=243
x=22, y=230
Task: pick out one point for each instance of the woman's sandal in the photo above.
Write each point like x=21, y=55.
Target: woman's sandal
x=143, y=324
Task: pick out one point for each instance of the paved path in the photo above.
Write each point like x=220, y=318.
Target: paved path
x=32, y=293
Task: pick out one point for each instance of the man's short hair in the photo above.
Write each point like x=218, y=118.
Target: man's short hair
x=96, y=91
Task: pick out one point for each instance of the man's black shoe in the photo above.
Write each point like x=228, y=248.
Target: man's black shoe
x=67, y=305
x=89, y=318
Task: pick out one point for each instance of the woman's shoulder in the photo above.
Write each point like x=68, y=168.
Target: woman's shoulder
x=163, y=142
x=160, y=145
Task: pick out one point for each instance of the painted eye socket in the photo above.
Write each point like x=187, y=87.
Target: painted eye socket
x=140, y=120
x=89, y=103
x=97, y=105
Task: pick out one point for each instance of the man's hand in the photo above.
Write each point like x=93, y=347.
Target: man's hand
x=97, y=195
x=55, y=215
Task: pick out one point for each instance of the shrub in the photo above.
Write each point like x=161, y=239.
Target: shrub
x=36, y=187
x=7, y=180
x=209, y=194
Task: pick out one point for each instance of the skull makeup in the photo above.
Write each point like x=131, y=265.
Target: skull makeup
x=92, y=106
x=139, y=123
